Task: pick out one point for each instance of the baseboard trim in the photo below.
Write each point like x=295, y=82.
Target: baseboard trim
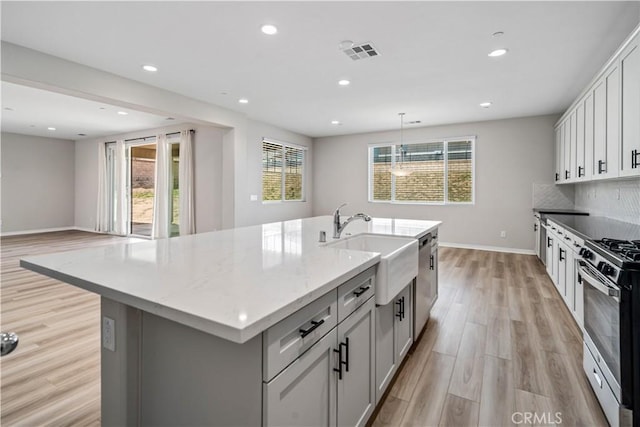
x=487, y=248
x=47, y=230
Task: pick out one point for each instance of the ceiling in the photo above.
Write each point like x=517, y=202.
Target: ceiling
x=31, y=111
x=433, y=62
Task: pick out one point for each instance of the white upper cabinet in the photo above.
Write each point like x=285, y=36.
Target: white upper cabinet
x=630, y=94
x=599, y=136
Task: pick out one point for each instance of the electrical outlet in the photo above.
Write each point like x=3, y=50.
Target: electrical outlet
x=253, y=197
x=109, y=333
x=503, y=234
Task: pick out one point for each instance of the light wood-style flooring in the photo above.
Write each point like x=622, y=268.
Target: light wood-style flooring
x=53, y=376
x=499, y=341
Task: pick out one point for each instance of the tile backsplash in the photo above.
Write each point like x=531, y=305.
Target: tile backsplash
x=553, y=196
x=614, y=199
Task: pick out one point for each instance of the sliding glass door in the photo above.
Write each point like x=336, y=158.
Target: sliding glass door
x=141, y=188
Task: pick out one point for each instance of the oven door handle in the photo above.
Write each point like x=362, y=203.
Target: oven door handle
x=607, y=290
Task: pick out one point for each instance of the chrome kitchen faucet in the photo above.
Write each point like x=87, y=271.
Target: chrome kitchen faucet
x=339, y=226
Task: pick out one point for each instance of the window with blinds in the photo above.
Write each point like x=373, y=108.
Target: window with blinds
x=282, y=172
x=437, y=172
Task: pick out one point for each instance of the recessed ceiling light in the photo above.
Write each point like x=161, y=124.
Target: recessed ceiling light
x=498, y=52
x=243, y=101
x=150, y=68
x=344, y=82
x=269, y=29
x=485, y=104
x=51, y=128
x=335, y=122
x=122, y=113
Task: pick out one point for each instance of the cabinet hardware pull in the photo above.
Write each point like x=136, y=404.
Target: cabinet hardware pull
x=601, y=168
x=339, y=368
x=561, y=252
x=535, y=227
x=549, y=242
x=557, y=176
x=567, y=174
x=399, y=313
x=431, y=262
x=314, y=326
x=580, y=171
x=634, y=159
x=346, y=353
x=361, y=290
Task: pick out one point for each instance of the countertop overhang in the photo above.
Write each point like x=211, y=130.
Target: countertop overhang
x=233, y=283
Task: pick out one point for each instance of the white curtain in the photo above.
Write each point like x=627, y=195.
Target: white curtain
x=185, y=182
x=102, y=217
x=120, y=223
x=161, y=203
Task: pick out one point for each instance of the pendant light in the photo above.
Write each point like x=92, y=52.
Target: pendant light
x=399, y=169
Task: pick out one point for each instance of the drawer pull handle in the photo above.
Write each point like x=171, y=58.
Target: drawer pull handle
x=431, y=263
x=314, y=326
x=361, y=290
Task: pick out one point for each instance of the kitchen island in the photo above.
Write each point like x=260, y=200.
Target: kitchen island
x=185, y=320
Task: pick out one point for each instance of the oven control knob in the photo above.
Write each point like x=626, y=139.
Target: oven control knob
x=605, y=268
x=585, y=253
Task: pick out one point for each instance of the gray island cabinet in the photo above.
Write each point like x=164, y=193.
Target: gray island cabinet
x=254, y=326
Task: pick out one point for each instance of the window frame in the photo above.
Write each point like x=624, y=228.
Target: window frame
x=445, y=141
x=283, y=146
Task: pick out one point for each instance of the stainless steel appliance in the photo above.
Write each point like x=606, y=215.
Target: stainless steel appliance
x=610, y=272
x=426, y=285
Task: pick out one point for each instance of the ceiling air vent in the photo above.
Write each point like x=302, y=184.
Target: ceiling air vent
x=361, y=51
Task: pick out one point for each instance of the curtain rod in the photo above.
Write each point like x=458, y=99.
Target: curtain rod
x=167, y=134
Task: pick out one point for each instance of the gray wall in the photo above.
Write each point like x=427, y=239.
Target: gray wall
x=37, y=183
x=511, y=155
x=207, y=152
x=614, y=199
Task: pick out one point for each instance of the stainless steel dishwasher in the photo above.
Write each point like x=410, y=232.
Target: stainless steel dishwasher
x=426, y=287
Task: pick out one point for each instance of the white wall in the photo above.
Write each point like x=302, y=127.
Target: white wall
x=511, y=155
x=25, y=66
x=256, y=212
x=37, y=183
x=614, y=199
x=207, y=151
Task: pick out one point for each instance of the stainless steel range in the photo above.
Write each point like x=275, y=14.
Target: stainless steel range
x=610, y=272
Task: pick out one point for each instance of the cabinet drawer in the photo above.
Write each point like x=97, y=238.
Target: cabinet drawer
x=355, y=292
x=287, y=340
x=601, y=388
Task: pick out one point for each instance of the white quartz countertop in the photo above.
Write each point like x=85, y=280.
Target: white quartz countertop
x=232, y=283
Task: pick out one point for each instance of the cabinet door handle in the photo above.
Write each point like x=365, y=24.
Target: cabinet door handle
x=549, y=242
x=601, y=168
x=399, y=313
x=567, y=174
x=535, y=227
x=339, y=368
x=361, y=290
x=561, y=254
x=557, y=176
x=580, y=171
x=431, y=263
x=634, y=159
x=314, y=326
x=346, y=354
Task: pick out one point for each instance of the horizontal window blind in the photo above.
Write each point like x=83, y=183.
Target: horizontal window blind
x=282, y=172
x=435, y=172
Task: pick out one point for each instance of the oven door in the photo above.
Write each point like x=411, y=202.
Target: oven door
x=602, y=322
